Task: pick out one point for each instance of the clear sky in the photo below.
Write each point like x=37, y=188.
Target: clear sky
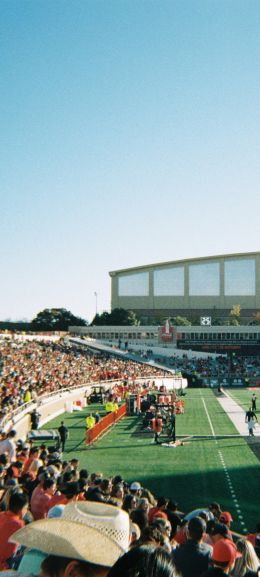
x=129, y=134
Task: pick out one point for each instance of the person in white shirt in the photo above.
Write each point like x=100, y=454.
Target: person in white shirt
x=8, y=446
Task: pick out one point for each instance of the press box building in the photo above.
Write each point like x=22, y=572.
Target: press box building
x=190, y=288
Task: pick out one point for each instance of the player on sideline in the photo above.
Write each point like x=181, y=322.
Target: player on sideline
x=251, y=419
x=254, y=397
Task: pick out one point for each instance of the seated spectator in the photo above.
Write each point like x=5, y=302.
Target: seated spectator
x=165, y=527
x=226, y=518
x=144, y=561
x=253, y=536
x=10, y=478
x=140, y=514
x=8, y=447
x=136, y=489
x=152, y=536
x=10, y=521
x=106, y=488
x=173, y=517
x=129, y=503
x=159, y=510
x=148, y=495
x=117, y=493
x=69, y=494
x=215, y=510
x=193, y=557
x=94, y=492
x=219, y=531
x=39, y=507
x=223, y=559
x=33, y=455
x=72, y=468
x=86, y=541
x=248, y=560
x=83, y=474
x=182, y=534
x=212, y=511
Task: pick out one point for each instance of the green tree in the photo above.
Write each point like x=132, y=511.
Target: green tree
x=117, y=317
x=235, y=311
x=231, y=322
x=218, y=321
x=101, y=320
x=56, y=320
x=256, y=319
x=180, y=321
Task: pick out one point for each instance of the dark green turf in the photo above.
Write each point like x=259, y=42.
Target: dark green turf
x=191, y=474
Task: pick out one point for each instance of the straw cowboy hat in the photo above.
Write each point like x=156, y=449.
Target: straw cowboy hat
x=89, y=531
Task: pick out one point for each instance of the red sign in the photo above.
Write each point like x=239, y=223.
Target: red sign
x=167, y=331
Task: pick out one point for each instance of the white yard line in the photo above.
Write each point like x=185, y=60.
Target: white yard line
x=228, y=479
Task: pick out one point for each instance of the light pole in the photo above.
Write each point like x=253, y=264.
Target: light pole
x=95, y=293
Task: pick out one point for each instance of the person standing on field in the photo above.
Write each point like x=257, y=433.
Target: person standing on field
x=64, y=433
x=251, y=420
x=157, y=426
x=254, y=397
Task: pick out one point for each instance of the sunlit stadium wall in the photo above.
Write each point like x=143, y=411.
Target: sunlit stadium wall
x=195, y=286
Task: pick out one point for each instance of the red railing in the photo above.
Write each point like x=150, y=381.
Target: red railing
x=104, y=424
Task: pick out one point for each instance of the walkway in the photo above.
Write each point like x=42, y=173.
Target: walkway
x=237, y=415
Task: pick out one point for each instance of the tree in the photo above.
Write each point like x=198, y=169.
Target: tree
x=256, y=319
x=218, y=321
x=231, y=322
x=56, y=320
x=117, y=317
x=180, y=321
x=235, y=311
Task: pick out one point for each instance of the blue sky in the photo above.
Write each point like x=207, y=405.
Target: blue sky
x=130, y=134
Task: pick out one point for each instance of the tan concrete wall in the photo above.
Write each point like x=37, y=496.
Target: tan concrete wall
x=48, y=410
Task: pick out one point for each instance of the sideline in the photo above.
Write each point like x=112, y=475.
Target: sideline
x=237, y=415
x=236, y=505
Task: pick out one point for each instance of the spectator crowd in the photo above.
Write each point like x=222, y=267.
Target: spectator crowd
x=56, y=515
x=60, y=520
x=29, y=369
x=222, y=368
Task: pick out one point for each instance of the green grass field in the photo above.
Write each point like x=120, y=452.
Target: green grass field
x=206, y=468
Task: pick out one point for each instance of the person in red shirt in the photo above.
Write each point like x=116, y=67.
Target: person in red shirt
x=10, y=521
x=157, y=426
x=34, y=454
x=70, y=492
x=41, y=478
x=39, y=508
x=226, y=519
x=159, y=510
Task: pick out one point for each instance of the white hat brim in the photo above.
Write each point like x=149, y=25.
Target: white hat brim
x=58, y=537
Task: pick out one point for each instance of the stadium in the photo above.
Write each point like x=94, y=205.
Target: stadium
x=138, y=431
x=190, y=288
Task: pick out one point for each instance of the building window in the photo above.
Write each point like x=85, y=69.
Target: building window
x=169, y=281
x=204, y=279
x=240, y=277
x=134, y=285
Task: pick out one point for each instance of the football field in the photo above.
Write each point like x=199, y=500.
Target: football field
x=214, y=464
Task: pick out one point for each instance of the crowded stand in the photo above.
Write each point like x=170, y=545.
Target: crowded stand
x=29, y=369
x=54, y=513
x=223, y=368
x=60, y=520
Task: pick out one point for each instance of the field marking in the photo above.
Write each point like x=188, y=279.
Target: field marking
x=209, y=420
x=228, y=480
